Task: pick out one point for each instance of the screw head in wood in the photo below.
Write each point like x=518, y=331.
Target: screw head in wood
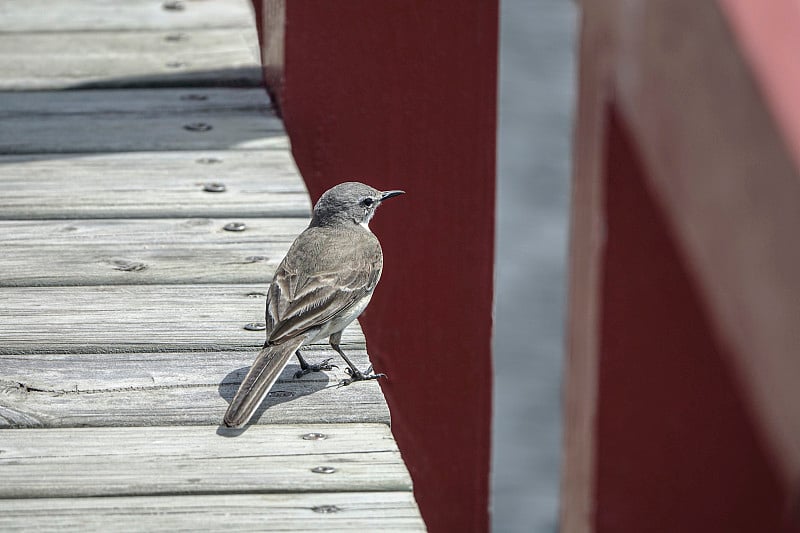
x=195, y=98
x=256, y=294
x=197, y=126
x=173, y=5
x=176, y=37
x=280, y=394
x=209, y=160
x=214, y=187
x=176, y=64
x=315, y=436
x=325, y=509
x=235, y=226
x=255, y=326
x=323, y=470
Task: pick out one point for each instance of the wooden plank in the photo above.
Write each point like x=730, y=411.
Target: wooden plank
x=326, y=511
x=148, y=102
x=153, y=251
x=76, y=15
x=217, y=57
x=152, y=184
x=136, y=120
x=135, y=389
x=132, y=318
x=143, y=461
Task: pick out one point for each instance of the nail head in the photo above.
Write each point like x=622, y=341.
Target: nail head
x=255, y=326
x=197, y=126
x=323, y=470
x=214, y=187
x=325, y=509
x=235, y=226
x=315, y=436
x=173, y=5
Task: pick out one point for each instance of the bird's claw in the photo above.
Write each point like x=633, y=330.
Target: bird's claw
x=319, y=367
x=357, y=375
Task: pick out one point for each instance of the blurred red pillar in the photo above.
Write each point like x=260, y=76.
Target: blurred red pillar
x=682, y=405
x=402, y=95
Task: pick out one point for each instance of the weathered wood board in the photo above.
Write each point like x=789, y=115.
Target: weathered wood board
x=82, y=15
x=118, y=461
x=140, y=389
x=387, y=512
x=138, y=102
x=137, y=120
x=102, y=59
x=124, y=301
x=258, y=183
x=143, y=251
x=133, y=318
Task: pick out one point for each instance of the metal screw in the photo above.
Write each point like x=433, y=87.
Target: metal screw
x=256, y=294
x=315, y=436
x=214, y=187
x=176, y=64
x=235, y=226
x=255, y=326
x=176, y=37
x=254, y=258
x=173, y=5
x=325, y=509
x=209, y=160
x=280, y=394
x=197, y=126
x=323, y=470
x=194, y=97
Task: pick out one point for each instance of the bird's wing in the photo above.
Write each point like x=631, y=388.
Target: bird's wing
x=307, y=293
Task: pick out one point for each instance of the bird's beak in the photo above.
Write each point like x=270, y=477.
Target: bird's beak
x=385, y=195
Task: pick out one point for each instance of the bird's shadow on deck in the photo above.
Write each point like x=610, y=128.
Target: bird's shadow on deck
x=286, y=389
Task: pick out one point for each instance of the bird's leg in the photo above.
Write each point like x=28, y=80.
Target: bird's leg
x=355, y=373
x=306, y=368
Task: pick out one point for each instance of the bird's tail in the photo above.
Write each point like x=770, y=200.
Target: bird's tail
x=268, y=365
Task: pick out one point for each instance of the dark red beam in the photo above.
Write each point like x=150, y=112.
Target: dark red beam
x=402, y=95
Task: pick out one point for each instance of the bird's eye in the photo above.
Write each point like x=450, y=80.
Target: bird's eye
x=367, y=201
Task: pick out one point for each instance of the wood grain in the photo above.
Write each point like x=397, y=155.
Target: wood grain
x=184, y=388
x=76, y=15
x=136, y=120
x=103, y=59
x=152, y=251
x=170, y=460
x=132, y=318
x=153, y=184
x=323, y=511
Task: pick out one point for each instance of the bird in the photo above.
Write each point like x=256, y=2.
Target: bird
x=324, y=283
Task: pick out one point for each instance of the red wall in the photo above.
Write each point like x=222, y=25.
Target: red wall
x=681, y=401
x=676, y=445
x=402, y=95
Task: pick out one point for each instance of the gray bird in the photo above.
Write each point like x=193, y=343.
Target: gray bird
x=323, y=284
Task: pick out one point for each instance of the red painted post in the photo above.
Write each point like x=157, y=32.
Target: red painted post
x=682, y=406
x=402, y=95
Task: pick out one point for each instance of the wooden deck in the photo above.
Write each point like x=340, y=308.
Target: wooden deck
x=143, y=210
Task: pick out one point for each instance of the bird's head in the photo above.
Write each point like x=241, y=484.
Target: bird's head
x=349, y=202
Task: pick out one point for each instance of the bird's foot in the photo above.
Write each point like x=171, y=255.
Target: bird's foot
x=319, y=367
x=357, y=375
